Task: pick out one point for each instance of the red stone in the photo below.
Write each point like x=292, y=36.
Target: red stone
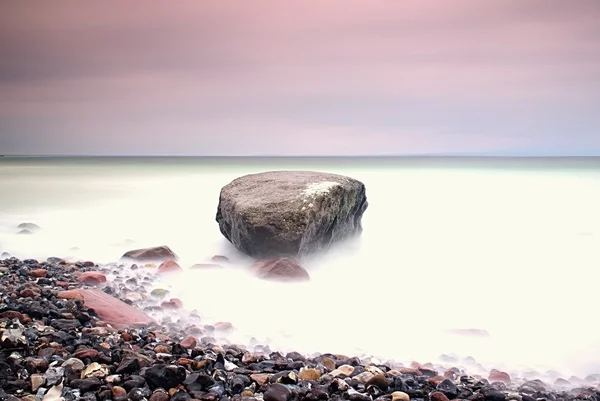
x=280, y=269
x=74, y=294
x=91, y=278
x=223, y=326
x=112, y=310
x=11, y=314
x=496, y=376
x=189, y=342
x=173, y=303
x=29, y=293
x=169, y=267
x=37, y=273
x=410, y=371
x=86, y=353
x=438, y=396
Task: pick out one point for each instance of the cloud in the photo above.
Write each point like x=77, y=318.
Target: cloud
x=378, y=73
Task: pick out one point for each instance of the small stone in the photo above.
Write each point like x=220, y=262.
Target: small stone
x=223, y=326
x=38, y=273
x=277, y=392
x=70, y=295
x=309, y=374
x=328, y=364
x=162, y=349
x=189, y=342
x=345, y=370
x=260, y=378
x=364, y=377
x=92, y=278
x=448, y=387
x=74, y=364
x=37, y=381
x=400, y=396
x=169, y=267
x=496, y=376
x=118, y=391
x=86, y=353
x=379, y=380
x=95, y=370
x=85, y=385
x=438, y=396
x=159, y=395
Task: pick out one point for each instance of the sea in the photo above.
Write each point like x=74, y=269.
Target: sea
x=507, y=246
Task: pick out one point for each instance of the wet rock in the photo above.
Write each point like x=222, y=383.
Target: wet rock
x=163, y=376
x=448, y=388
x=438, y=396
x=65, y=324
x=38, y=273
x=128, y=365
x=260, y=378
x=189, y=342
x=278, y=392
x=37, y=380
x=169, y=267
x=309, y=374
x=158, y=253
x=497, y=376
x=290, y=213
x=280, y=269
x=91, y=278
x=85, y=385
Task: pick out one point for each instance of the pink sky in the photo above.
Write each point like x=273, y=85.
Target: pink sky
x=297, y=77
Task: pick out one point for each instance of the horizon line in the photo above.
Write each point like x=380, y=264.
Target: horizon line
x=437, y=155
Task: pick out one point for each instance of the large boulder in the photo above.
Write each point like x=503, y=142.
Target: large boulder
x=290, y=213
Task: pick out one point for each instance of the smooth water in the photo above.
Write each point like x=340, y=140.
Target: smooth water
x=511, y=246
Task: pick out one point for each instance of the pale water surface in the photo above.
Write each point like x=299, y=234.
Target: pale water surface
x=511, y=246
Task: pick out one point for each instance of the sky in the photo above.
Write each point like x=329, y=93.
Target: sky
x=272, y=77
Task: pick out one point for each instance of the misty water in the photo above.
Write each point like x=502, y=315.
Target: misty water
x=510, y=246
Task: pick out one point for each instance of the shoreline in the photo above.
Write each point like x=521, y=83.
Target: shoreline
x=49, y=339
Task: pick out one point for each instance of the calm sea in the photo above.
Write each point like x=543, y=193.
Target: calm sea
x=511, y=246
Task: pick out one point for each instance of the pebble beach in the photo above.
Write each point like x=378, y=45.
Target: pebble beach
x=55, y=347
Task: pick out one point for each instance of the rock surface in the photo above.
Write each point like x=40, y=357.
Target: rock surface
x=280, y=269
x=290, y=213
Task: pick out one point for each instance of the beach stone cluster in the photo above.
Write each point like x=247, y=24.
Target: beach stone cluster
x=53, y=346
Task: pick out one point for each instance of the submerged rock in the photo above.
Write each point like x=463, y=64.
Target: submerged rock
x=281, y=269
x=157, y=253
x=28, y=226
x=290, y=213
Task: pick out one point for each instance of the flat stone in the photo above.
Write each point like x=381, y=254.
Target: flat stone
x=157, y=253
x=112, y=310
